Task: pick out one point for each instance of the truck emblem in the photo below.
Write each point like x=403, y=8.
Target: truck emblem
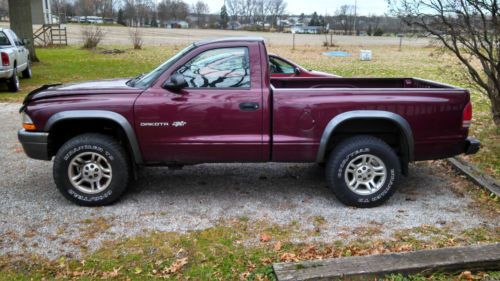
x=179, y=123
x=164, y=124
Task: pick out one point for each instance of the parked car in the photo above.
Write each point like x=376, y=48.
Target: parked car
x=281, y=67
x=192, y=109
x=15, y=59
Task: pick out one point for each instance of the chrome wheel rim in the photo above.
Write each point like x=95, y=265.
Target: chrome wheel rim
x=365, y=174
x=90, y=172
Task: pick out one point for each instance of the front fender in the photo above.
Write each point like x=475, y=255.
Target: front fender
x=101, y=114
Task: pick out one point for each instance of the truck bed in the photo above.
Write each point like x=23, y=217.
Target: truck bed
x=302, y=108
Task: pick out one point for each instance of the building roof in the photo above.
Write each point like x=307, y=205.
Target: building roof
x=230, y=39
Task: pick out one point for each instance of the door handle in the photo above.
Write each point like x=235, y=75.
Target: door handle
x=249, y=106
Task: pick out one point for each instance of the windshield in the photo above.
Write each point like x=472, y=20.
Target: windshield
x=144, y=81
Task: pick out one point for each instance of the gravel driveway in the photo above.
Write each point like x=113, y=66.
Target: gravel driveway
x=35, y=218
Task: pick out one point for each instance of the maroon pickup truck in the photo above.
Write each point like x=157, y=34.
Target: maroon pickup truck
x=215, y=102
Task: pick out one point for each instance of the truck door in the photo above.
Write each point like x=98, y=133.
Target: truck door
x=217, y=118
x=21, y=52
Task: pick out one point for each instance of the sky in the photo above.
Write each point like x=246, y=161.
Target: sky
x=365, y=7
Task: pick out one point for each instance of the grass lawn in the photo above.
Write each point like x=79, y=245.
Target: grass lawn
x=72, y=64
x=219, y=252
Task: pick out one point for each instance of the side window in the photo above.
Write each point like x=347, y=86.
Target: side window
x=218, y=68
x=280, y=66
x=15, y=38
x=4, y=40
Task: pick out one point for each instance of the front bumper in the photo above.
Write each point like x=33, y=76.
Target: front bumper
x=472, y=146
x=35, y=144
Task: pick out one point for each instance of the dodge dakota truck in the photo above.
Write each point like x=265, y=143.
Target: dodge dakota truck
x=214, y=101
x=15, y=59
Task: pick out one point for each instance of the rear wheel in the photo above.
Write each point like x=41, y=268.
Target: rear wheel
x=13, y=82
x=363, y=171
x=27, y=72
x=91, y=170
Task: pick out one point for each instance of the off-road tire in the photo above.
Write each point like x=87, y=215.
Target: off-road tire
x=346, y=153
x=13, y=82
x=27, y=74
x=104, y=146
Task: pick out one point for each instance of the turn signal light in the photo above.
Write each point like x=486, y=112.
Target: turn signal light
x=29, y=127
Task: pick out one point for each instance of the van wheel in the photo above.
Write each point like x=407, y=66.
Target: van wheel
x=91, y=170
x=27, y=74
x=363, y=171
x=13, y=82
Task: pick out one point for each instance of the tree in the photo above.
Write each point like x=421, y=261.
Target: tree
x=314, y=20
x=346, y=16
x=120, y=18
x=276, y=9
x=201, y=9
x=21, y=23
x=470, y=29
x=154, y=21
x=224, y=17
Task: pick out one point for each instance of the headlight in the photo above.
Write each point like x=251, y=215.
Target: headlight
x=28, y=124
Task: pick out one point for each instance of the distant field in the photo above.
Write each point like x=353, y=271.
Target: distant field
x=119, y=35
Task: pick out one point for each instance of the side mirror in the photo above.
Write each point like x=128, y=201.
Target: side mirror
x=26, y=41
x=175, y=82
x=297, y=71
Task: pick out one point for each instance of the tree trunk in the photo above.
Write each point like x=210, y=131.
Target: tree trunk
x=495, y=107
x=495, y=101
x=21, y=23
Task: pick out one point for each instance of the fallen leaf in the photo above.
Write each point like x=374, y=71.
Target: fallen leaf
x=466, y=275
x=175, y=266
x=289, y=257
x=264, y=237
x=112, y=274
x=277, y=246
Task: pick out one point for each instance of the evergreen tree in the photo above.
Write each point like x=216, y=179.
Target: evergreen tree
x=120, y=19
x=154, y=22
x=224, y=16
x=314, y=20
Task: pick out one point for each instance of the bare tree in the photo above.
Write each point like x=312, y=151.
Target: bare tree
x=201, y=9
x=172, y=10
x=346, y=16
x=275, y=9
x=234, y=8
x=470, y=29
x=85, y=7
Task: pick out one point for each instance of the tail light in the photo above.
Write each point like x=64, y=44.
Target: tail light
x=467, y=115
x=5, y=59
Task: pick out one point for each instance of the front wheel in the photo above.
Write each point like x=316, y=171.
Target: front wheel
x=91, y=170
x=363, y=171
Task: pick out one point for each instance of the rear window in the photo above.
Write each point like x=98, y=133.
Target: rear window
x=4, y=41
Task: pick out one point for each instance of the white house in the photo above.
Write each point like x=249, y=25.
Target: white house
x=41, y=13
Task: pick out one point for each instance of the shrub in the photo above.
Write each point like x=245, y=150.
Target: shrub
x=378, y=32
x=135, y=35
x=92, y=36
